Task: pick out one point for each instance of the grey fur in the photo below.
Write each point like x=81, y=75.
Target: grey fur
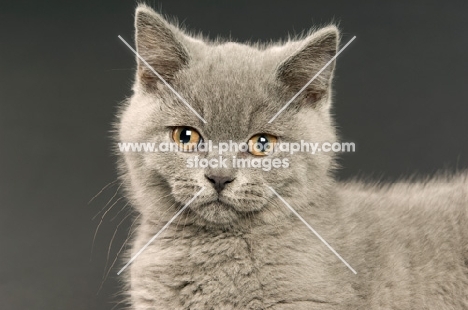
x=408, y=241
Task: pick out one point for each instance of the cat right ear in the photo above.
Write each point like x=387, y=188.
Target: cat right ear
x=312, y=54
x=158, y=43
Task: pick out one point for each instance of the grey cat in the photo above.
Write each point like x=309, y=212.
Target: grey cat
x=237, y=246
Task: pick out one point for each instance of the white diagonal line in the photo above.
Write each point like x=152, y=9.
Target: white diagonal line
x=159, y=232
x=311, y=80
x=313, y=230
x=162, y=79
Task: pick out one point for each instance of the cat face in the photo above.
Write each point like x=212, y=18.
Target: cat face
x=236, y=89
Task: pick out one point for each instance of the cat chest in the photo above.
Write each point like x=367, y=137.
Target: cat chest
x=238, y=272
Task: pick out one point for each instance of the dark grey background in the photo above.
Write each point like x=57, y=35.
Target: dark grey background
x=401, y=92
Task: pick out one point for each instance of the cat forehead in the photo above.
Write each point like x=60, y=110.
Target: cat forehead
x=234, y=100
x=231, y=60
x=230, y=72
x=232, y=104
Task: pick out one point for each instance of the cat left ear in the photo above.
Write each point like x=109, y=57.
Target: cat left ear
x=159, y=44
x=311, y=56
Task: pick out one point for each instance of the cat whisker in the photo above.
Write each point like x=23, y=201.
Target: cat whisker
x=153, y=212
x=115, y=194
x=130, y=233
x=112, y=240
x=161, y=215
x=113, y=218
x=99, y=225
x=103, y=189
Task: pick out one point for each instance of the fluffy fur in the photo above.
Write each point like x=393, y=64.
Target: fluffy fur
x=243, y=249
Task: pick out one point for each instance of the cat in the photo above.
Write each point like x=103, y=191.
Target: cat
x=237, y=246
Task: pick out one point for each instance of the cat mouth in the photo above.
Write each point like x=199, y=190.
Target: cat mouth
x=219, y=211
x=225, y=208
x=228, y=203
x=220, y=202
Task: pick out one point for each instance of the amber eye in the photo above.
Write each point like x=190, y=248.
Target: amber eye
x=186, y=137
x=262, y=144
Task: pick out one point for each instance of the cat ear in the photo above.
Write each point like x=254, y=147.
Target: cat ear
x=309, y=58
x=159, y=44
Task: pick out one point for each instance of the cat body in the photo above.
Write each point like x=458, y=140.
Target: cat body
x=407, y=242
x=237, y=246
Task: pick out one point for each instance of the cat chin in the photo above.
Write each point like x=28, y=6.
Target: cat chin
x=216, y=212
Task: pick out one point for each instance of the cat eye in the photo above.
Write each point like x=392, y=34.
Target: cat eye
x=262, y=144
x=186, y=137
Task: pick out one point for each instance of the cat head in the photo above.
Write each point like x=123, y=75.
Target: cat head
x=236, y=89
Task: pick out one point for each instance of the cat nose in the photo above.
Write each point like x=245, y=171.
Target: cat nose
x=219, y=182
